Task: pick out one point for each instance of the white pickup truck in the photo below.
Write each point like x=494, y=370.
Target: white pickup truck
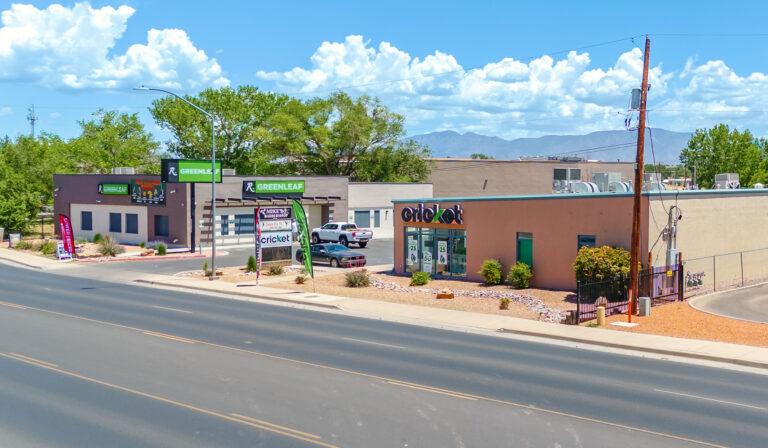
x=342, y=232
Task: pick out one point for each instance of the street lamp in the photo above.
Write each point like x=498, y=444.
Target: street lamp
x=213, y=169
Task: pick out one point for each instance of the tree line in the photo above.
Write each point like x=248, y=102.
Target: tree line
x=257, y=133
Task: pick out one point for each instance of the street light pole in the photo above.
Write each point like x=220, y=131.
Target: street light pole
x=213, y=169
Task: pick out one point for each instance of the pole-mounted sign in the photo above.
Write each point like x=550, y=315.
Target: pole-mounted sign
x=181, y=171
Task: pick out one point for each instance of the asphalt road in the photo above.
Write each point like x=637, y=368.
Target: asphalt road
x=378, y=252
x=84, y=361
x=744, y=303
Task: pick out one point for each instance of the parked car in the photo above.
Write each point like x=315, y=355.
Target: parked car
x=342, y=232
x=336, y=255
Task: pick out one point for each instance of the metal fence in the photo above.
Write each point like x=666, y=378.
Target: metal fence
x=725, y=271
x=662, y=284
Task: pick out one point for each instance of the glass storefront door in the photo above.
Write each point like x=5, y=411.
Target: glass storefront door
x=440, y=252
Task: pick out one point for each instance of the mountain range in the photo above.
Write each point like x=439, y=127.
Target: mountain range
x=600, y=145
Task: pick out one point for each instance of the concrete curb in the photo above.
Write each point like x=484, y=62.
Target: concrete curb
x=658, y=351
x=241, y=294
x=152, y=258
x=11, y=260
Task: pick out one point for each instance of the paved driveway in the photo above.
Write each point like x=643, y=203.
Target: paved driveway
x=745, y=303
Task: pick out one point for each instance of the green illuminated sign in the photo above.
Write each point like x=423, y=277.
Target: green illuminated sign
x=113, y=189
x=272, y=187
x=188, y=171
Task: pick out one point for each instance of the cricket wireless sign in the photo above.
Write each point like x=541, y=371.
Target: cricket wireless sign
x=434, y=214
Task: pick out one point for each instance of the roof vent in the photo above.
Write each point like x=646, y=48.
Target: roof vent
x=228, y=172
x=124, y=170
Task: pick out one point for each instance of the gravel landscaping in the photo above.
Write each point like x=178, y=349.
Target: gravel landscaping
x=535, y=304
x=679, y=319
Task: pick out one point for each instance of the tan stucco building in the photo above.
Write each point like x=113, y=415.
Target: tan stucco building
x=546, y=231
x=471, y=177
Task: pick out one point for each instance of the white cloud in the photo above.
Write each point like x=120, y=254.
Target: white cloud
x=514, y=98
x=71, y=47
x=5, y=110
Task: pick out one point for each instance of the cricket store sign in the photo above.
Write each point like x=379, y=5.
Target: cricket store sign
x=147, y=192
x=261, y=188
x=434, y=214
x=276, y=239
x=184, y=171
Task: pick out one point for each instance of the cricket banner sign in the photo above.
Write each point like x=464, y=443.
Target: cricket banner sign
x=67, y=235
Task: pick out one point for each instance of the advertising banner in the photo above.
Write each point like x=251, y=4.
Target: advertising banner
x=274, y=226
x=413, y=250
x=275, y=213
x=442, y=252
x=67, y=236
x=185, y=171
x=426, y=261
x=257, y=230
x=303, y=228
x=275, y=239
x=148, y=192
x=61, y=253
x=256, y=188
x=114, y=189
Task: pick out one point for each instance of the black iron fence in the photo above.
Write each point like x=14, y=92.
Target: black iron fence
x=662, y=284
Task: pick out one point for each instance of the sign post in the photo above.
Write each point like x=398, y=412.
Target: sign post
x=257, y=231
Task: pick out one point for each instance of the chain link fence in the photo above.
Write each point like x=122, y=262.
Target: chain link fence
x=725, y=271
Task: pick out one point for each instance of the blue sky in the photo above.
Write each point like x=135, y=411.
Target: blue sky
x=72, y=59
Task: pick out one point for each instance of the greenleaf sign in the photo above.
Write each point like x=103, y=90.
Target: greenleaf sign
x=113, y=189
x=188, y=171
x=256, y=188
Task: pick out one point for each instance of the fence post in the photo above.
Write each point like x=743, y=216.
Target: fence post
x=578, y=302
x=741, y=262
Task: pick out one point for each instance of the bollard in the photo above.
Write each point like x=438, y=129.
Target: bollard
x=644, y=306
x=601, y=316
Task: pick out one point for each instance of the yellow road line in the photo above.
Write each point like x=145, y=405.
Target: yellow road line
x=433, y=390
x=168, y=336
x=266, y=427
x=31, y=359
x=385, y=379
x=274, y=425
x=13, y=305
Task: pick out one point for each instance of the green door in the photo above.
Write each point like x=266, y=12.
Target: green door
x=525, y=248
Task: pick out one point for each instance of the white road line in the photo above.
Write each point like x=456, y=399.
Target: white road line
x=363, y=341
x=172, y=309
x=711, y=399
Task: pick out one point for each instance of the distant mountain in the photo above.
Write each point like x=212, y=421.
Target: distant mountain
x=603, y=145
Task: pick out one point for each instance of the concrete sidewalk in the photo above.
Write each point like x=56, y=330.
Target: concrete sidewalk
x=443, y=318
x=32, y=261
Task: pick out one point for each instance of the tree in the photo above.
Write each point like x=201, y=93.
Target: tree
x=480, y=156
x=111, y=140
x=722, y=150
x=240, y=115
x=36, y=160
x=342, y=136
x=19, y=202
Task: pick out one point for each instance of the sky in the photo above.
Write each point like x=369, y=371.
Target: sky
x=507, y=69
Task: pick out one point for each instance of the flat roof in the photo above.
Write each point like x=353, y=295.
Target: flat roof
x=462, y=159
x=651, y=194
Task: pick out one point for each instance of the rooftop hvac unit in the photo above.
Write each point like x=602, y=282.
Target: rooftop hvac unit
x=620, y=187
x=228, y=172
x=124, y=170
x=604, y=180
x=758, y=185
x=727, y=181
x=584, y=187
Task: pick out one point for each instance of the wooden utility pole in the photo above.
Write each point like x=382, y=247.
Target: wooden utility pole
x=635, y=248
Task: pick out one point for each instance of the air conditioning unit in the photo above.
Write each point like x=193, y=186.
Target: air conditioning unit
x=604, y=180
x=124, y=170
x=583, y=187
x=228, y=172
x=620, y=187
x=727, y=181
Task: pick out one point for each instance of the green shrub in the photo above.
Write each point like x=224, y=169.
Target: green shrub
x=504, y=303
x=357, y=279
x=491, y=270
x=276, y=269
x=301, y=279
x=23, y=245
x=420, y=278
x=251, y=265
x=207, y=270
x=142, y=244
x=519, y=276
x=48, y=248
x=109, y=247
x=604, y=263
x=81, y=241
x=97, y=238
x=161, y=249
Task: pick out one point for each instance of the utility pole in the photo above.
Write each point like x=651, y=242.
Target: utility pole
x=635, y=248
x=32, y=118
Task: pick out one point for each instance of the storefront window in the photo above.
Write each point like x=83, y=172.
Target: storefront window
x=441, y=252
